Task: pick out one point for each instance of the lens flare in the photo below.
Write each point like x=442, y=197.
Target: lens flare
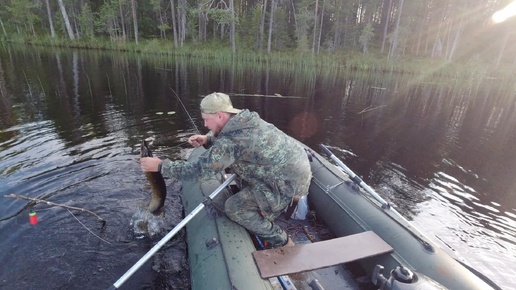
x=505, y=13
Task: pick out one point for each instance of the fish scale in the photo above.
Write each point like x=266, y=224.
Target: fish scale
x=157, y=183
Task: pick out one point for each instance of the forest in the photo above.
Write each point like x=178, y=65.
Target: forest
x=460, y=31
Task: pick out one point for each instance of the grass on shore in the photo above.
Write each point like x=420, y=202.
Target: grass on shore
x=351, y=61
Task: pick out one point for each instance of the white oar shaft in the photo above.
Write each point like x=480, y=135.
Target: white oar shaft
x=172, y=233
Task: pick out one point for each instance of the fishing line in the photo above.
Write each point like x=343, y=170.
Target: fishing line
x=88, y=228
x=191, y=119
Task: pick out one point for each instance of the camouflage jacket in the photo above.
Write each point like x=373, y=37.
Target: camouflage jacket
x=274, y=164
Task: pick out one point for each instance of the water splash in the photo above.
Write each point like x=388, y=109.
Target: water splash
x=145, y=224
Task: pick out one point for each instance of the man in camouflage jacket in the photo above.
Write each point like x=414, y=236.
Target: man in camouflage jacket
x=273, y=165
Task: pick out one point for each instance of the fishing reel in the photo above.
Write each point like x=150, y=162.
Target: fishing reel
x=402, y=278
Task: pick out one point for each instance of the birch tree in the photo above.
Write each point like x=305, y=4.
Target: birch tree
x=174, y=22
x=315, y=25
x=182, y=10
x=3, y=27
x=122, y=18
x=135, y=20
x=232, y=26
x=386, y=18
x=50, y=21
x=271, y=22
x=66, y=20
x=394, y=44
x=262, y=24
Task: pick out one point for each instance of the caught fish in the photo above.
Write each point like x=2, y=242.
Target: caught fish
x=159, y=189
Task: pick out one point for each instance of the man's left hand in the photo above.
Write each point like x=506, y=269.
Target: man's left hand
x=149, y=164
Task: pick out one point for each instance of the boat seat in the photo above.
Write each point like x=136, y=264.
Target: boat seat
x=306, y=257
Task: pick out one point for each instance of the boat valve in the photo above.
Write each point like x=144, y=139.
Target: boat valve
x=402, y=278
x=403, y=274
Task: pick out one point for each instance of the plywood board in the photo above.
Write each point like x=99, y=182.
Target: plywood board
x=305, y=257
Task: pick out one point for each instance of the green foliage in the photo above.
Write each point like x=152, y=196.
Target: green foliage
x=152, y=46
x=192, y=24
x=22, y=15
x=249, y=28
x=281, y=39
x=366, y=35
x=105, y=18
x=220, y=16
x=304, y=19
x=86, y=22
x=164, y=27
x=348, y=27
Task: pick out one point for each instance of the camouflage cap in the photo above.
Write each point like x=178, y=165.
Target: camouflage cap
x=217, y=102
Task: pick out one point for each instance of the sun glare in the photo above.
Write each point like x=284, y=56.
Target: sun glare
x=505, y=13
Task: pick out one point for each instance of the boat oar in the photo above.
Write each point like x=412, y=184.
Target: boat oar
x=356, y=179
x=172, y=233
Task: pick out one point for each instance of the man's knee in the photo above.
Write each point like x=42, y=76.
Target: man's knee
x=231, y=207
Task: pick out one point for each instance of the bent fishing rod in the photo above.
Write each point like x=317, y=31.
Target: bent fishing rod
x=184, y=108
x=172, y=233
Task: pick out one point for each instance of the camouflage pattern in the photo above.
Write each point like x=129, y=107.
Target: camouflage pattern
x=273, y=165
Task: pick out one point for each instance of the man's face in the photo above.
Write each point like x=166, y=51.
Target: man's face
x=214, y=122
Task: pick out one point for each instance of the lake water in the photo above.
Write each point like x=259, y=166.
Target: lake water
x=71, y=121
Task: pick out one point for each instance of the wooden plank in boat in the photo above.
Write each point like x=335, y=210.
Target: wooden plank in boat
x=305, y=257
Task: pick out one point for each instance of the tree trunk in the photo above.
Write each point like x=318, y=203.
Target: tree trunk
x=122, y=20
x=502, y=49
x=232, y=27
x=135, y=20
x=174, y=25
x=455, y=42
x=202, y=25
x=386, y=20
x=337, y=24
x=182, y=21
x=66, y=20
x=50, y=21
x=320, y=28
x=271, y=24
x=77, y=31
x=394, y=46
x=315, y=25
x=3, y=28
x=437, y=47
x=262, y=24
x=163, y=32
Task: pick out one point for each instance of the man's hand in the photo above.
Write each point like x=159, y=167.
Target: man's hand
x=149, y=164
x=197, y=140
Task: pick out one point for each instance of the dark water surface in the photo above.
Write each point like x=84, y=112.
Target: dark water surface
x=71, y=122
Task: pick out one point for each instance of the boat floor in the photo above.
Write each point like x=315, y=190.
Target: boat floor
x=344, y=276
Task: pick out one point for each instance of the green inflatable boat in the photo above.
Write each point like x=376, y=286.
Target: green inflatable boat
x=223, y=255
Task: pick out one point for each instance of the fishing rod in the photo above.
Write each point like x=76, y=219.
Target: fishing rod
x=384, y=204
x=190, y=117
x=172, y=233
x=356, y=179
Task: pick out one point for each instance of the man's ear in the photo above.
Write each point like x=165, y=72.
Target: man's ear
x=223, y=116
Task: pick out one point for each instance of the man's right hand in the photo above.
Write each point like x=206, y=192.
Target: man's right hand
x=197, y=140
